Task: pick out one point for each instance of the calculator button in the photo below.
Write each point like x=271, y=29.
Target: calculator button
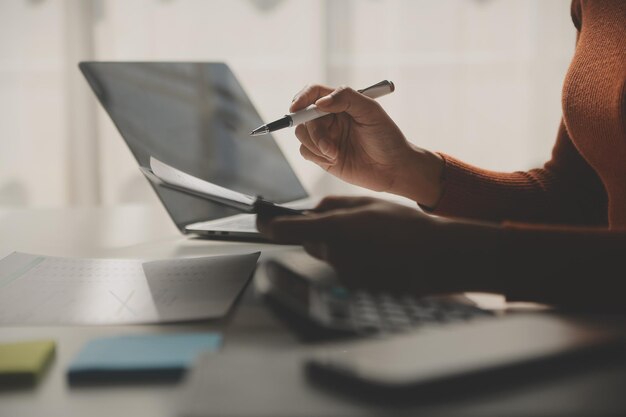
x=393, y=310
x=399, y=323
x=339, y=310
x=368, y=325
x=365, y=302
x=368, y=313
x=369, y=317
x=340, y=293
x=361, y=307
x=367, y=328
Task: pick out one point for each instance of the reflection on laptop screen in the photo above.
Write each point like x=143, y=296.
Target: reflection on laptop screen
x=197, y=118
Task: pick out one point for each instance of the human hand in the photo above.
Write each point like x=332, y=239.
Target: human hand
x=383, y=246
x=359, y=143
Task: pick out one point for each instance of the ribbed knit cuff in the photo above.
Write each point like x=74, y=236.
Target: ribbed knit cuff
x=461, y=185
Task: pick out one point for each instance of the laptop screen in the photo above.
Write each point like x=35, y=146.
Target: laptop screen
x=197, y=118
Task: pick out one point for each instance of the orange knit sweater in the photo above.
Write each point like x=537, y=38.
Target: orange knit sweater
x=582, y=188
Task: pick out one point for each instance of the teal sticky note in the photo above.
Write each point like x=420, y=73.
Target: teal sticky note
x=154, y=357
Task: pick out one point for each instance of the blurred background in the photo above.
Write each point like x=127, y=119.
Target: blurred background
x=478, y=79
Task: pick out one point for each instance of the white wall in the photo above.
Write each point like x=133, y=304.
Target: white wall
x=274, y=47
x=479, y=79
x=32, y=120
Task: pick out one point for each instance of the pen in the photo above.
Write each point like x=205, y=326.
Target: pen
x=310, y=113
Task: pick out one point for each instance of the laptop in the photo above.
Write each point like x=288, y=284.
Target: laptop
x=196, y=117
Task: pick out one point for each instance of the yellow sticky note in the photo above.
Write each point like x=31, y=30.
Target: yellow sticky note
x=24, y=362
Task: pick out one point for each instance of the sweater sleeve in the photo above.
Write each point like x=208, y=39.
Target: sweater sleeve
x=571, y=267
x=565, y=191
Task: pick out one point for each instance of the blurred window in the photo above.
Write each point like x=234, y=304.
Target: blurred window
x=479, y=79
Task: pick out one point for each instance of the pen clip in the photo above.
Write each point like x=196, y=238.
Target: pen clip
x=379, y=84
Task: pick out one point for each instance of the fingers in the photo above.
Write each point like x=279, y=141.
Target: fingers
x=263, y=224
x=308, y=95
x=320, y=147
x=316, y=135
x=320, y=135
x=316, y=159
x=336, y=202
x=342, y=99
x=298, y=229
x=317, y=250
x=302, y=133
x=345, y=99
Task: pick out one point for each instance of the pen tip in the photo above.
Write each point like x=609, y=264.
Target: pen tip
x=259, y=131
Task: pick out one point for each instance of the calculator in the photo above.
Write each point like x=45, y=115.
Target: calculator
x=300, y=285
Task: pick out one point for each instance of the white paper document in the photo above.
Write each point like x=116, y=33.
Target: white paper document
x=38, y=289
x=183, y=180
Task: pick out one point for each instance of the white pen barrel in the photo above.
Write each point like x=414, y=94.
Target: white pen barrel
x=379, y=90
x=312, y=112
x=306, y=115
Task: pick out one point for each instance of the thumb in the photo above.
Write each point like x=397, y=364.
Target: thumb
x=345, y=99
x=336, y=202
x=298, y=229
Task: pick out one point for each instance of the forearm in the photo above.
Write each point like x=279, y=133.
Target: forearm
x=566, y=190
x=570, y=267
x=564, y=266
x=419, y=177
x=466, y=256
x=449, y=187
x=539, y=196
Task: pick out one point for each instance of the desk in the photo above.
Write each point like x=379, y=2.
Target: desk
x=140, y=232
x=117, y=232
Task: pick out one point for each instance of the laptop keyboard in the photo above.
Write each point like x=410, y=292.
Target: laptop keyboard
x=244, y=223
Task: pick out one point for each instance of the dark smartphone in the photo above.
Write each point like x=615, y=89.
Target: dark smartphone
x=460, y=356
x=266, y=208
